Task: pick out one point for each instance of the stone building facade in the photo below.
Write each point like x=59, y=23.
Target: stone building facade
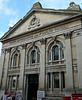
x=42, y=54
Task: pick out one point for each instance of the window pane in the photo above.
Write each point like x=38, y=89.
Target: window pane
x=38, y=57
x=49, y=55
x=33, y=55
x=14, y=82
x=55, y=52
x=16, y=60
x=49, y=80
x=62, y=53
x=27, y=58
x=38, y=54
x=63, y=80
x=56, y=80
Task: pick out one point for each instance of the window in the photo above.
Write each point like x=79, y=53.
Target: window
x=33, y=55
x=55, y=51
x=56, y=80
x=15, y=60
x=49, y=80
x=14, y=82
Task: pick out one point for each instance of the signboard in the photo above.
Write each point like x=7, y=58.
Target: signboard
x=40, y=95
x=19, y=95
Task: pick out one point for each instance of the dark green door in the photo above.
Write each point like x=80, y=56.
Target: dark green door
x=32, y=86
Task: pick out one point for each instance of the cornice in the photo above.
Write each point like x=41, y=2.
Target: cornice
x=61, y=22
x=40, y=10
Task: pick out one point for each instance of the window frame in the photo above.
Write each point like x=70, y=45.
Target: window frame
x=50, y=51
x=29, y=57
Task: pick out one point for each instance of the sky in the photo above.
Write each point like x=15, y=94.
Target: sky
x=12, y=11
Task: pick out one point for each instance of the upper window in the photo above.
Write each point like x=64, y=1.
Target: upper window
x=15, y=59
x=33, y=56
x=56, y=51
x=15, y=63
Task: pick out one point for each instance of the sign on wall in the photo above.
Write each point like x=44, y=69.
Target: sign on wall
x=40, y=95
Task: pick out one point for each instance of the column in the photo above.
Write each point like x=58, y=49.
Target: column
x=6, y=65
x=22, y=65
x=78, y=40
x=42, y=66
x=51, y=81
x=2, y=65
x=68, y=55
x=60, y=82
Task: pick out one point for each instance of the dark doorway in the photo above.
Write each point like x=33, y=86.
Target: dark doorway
x=32, y=86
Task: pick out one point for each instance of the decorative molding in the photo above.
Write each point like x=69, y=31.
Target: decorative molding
x=54, y=38
x=34, y=22
x=68, y=35
x=24, y=46
x=8, y=50
x=3, y=51
x=43, y=41
x=33, y=43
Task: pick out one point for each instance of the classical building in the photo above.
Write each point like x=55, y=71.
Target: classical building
x=42, y=54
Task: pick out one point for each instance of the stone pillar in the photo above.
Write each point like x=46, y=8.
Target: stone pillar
x=68, y=56
x=79, y=56
x=60, y=82
x=6, y=65
x=2, y=65
x=42, y=76
x=51, y=82
x=22, y=65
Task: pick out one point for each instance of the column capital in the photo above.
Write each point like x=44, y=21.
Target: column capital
x=24, y=46
x=68, y=35
x=54, y=38
x=43, y=41
x=3, y=51
x=8, y=50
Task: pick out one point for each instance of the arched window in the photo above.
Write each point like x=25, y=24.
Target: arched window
x=55, y=51
x=15, y=63
x=15, y=59
x=33, y=55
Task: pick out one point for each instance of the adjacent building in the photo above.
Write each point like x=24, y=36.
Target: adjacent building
x=42, y=54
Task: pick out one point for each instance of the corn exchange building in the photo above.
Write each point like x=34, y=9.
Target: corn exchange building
x=42, y=54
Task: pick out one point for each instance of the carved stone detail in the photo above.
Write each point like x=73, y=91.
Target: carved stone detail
x=33, y=43
x=43, y=41
x=24, y=46
x=54, y=38
x=8, y=50
x=68, y=35
x=34, y=22
x=3, y=51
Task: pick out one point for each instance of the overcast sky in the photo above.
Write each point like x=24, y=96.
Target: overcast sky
x=13, y=10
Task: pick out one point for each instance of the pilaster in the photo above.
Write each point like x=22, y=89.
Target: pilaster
x=42, y=76
x=69, y=69
x=6, y=65
x=21, y=77
x=2, y=65
x=78, y=40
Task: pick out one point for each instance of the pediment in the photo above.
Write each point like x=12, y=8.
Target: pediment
x=34, y=20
